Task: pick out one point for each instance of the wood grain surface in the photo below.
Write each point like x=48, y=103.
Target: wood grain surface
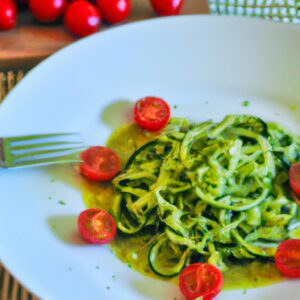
x=31, y=41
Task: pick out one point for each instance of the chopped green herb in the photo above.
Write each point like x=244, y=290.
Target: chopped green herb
x=62, y=202
x=246, y=103
x=53, y=226
x=206, y=102
x=175, y=106
x=97, y=267
x=130, y=266
x=175, y=298
x=108, y=287
x=114, y=277
x=50, y=198
x=245, y=291
x=52, y=180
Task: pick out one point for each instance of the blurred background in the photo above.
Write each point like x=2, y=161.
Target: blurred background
x=33, y=36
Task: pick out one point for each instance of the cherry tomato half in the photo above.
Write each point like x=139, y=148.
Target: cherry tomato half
x=294, y=176
x=99, y=163
x=166, y=7
x=114, y=11
x=47, y=10
x=200, y=280
x=97, y=226
x=152, y=113
x=287, y=258
x=8, y=14
x=82, y=18
x=295, y=197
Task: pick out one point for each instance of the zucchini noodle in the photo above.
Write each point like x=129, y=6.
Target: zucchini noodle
x=214, y=192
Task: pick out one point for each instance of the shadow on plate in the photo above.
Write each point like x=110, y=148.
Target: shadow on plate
x=68, y=174
x=157, y=290
x=117, y=114
x=65, y=228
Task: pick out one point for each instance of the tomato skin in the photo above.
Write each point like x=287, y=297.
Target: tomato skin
x=8, y=15
x=97, y=226
x=99, y=164
x=287, y=258
x=152, y=113
x=167, y=7
x=200, y=280
x=295, y=197
x=82, y=18
x=294, y=177
x=114, y=11
x=47, y=10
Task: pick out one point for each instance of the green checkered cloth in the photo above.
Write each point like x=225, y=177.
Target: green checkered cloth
x=276, y=10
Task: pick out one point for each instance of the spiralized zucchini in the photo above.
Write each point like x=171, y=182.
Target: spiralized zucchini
x=211, y=192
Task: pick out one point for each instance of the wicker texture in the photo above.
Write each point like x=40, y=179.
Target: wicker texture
x=276, y=10
x=10, y=288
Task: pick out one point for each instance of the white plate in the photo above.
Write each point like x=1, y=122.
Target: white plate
x=207, y=66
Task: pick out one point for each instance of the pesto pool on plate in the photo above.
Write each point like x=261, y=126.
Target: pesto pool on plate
x=207, y=205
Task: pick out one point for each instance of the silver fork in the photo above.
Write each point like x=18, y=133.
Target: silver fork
x=37, y=150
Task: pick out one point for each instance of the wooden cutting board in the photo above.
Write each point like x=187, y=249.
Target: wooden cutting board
x=31, y=41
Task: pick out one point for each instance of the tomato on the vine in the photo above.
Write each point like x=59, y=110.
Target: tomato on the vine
x=47, y=10
x=8, y=14
x=82, y=18
x=167, y=7
x=114, y=11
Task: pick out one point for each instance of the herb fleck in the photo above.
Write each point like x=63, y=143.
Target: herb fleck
x=114, y=277
x=277, y=114
x=175, y=106
x=49, y=198
x=53, y=226
x=62, y=202
x=108, y=287
x=130, y=266
x=206, y=102
x=245, y=291
x=52, y=180
x=97, y=267
x=70, y=269
x=246, y=103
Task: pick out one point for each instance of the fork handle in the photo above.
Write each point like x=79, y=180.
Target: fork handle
x=2, y=156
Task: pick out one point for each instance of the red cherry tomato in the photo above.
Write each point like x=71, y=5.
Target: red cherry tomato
x=47, y=10
x=287, y=258
x=97, y=226
x=99, y=164
x=295, y=197
x=294, y=176
x=200, y=280
x=114, y=11
x=152, y=113
x=166, y=7
x=82, y=18
x=8, y=14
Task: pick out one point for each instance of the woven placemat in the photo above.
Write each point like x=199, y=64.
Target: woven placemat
x=10, y=288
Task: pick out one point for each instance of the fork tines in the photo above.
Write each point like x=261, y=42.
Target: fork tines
x=41, y=149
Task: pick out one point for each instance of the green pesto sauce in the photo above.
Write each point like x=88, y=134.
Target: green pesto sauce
x=133, y=249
